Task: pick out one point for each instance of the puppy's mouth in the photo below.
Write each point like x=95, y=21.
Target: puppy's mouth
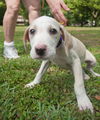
x=44, y=57
x=41, y=57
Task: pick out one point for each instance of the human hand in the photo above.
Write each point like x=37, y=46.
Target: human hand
x=56, y=7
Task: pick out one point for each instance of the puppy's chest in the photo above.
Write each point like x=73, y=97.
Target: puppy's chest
x=62, y=60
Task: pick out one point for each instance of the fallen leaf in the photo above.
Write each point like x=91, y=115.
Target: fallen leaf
x=97, y=97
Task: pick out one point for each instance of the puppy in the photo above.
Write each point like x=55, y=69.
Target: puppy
x=52, y=43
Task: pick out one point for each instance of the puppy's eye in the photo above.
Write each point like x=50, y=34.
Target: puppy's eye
x=32, y=31
x=53, y=31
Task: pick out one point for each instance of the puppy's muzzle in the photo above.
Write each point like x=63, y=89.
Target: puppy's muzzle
x=40, y=50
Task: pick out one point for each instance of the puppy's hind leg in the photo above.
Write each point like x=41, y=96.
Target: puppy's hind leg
x=91, y=62
x=85, y=76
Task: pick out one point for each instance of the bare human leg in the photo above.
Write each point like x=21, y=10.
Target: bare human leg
x=33, y=7
x=9, y=23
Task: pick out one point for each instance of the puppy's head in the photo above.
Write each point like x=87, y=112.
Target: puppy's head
x=44, y=34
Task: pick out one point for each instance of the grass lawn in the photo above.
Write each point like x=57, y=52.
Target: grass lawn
x=54, y=98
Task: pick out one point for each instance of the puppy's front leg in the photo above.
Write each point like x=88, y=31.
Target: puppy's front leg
x=43, y=68
x=82, y=98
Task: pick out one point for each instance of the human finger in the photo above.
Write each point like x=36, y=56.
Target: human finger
x=64, y=6
x=62, y=17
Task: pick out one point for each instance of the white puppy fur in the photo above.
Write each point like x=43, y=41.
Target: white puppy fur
x=52, y=43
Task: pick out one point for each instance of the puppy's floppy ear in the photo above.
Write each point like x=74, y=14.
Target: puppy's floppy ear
x=67, y=38
x=26, y=38
x=62, y=30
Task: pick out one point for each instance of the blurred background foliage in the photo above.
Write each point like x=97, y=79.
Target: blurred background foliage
x=82, y=13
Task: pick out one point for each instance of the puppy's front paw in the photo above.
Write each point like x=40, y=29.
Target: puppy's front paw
x=30, y=85
x=84, y=103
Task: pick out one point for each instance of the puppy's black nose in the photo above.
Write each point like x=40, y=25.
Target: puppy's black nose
x=40, y=51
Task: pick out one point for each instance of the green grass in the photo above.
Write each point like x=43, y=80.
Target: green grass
x=54, y=98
